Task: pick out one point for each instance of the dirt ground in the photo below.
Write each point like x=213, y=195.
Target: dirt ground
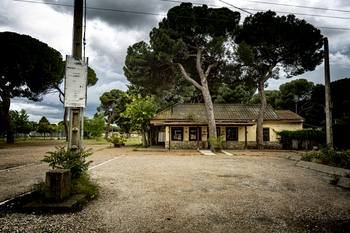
x=184, y=191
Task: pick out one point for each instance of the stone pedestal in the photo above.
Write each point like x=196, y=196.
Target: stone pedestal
x=58, y=184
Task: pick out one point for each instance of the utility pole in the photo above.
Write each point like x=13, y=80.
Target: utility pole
x=328, y=104
x=74, y=140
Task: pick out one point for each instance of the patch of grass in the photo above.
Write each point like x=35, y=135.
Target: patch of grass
x=94, y=142
x=133, y=141
x=86, y=185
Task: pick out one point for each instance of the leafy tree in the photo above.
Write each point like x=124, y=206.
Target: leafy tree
x=271, y=98
x=44, y=126
x=193, y=39
x=20, y=122
x=113, y=103
x=273, y=41
x=96, y=125
x=147, y=77
x=91, y=81
x=340, y=112
x=239, y=92
x=28, y=68
x=140, y=111
x=300, y=87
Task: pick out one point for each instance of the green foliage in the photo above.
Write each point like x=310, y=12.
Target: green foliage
x=218, y=141
x=31, y=68
x=293, y=43
x=113, y=103
x=96, y=125
x=300, y=87
x=44, y=126
x=117, y=140
x=140, y=111
x=86, y=185
x=20, y=122
x=65, y=159
x=271, y=97
x=327, y=155
x=301, y=135
x=239, y=92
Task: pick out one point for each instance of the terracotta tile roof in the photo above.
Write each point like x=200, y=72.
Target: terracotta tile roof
x=288, y=115
x=221, y=112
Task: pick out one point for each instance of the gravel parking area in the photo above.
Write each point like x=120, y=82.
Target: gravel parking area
x=184, y=191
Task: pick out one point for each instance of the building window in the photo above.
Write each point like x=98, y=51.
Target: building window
x=266, y=134
x=231, y=134
x=193, y=134
x=177, y=134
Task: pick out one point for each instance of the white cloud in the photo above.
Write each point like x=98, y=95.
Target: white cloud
x=339, y=59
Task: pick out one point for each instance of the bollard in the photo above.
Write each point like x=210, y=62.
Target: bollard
x=58, y=184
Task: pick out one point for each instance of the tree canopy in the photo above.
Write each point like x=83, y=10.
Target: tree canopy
x=139, y=111
x=277, y=41
x=113, y=103
x=28, y=68
x=20, y=122
x=300, y=87
x=193, y=39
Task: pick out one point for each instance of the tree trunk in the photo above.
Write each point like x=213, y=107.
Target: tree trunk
x=65, y=120
x=210, y=114
x=205, y=91
x=110, y=119
x=260, y=119
x=144, y=143
x=7, y=120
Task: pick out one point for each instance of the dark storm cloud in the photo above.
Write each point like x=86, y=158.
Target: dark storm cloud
x=130, y=14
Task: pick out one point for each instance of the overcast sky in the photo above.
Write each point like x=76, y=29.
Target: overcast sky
x=113, y=26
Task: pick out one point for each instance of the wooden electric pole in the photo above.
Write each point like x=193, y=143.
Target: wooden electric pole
x=328, y=104
x=74, y=140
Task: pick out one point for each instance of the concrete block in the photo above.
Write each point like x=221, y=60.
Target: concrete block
x=284, y=155
x=322, y=168
x=58, y=184
x=303, y=164
x=344, y=182
x=342, y=171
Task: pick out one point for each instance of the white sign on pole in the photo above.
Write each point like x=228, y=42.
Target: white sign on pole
x=75, y=83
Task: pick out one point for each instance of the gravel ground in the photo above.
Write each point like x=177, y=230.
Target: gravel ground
x=184, y=191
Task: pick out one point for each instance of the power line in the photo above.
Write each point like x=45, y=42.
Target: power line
x=158, y=14
x=257, y=10
x=236, y=7
x=307, y=7
x=270, y=3
x=92, y=8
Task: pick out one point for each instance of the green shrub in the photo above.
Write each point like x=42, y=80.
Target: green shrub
x=329, y=156
x=301, y=135
x=64, y=159
x=117, y=140
x=218, y=143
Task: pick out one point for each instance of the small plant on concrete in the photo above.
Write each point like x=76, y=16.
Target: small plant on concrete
x=218, y=143
x=64, y=159
x=81, y=180
x=335, y=179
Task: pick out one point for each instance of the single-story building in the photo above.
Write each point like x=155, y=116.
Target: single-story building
x=184, y=126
